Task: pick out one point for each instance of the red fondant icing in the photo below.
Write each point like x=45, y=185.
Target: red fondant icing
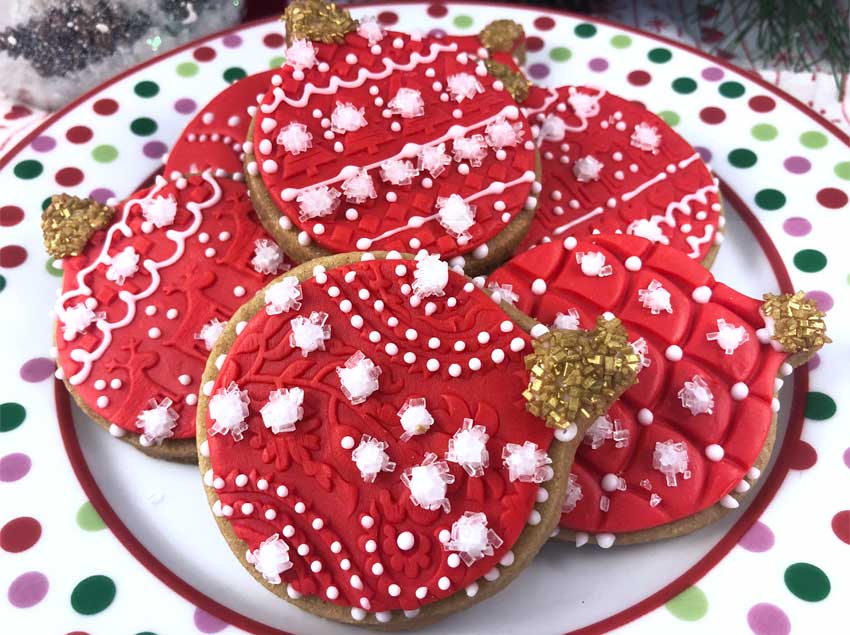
x=197, y=286
x=739, y=427
x=633, y=183
x=327, y=163
x=319, y=472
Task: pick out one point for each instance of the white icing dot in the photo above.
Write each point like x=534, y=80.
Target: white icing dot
x=498, y=355
x=633, y=263
x=701, y=294
x=405, y=541
x=371, y=546
x=444, y=583
x=517, y=344
x=714, y=452
x=506, y=326
x=673, y=353
x=102, y=401
x=739, y=391
x=538, y=287
x=609, y=482
x=377, y=568
x=318, y=523
x=411, y=334
x=347, y=442
x=367, y=522
x=645, y=416
x=100, y=384
x=432, y=365
x=154, y=333
x=454, y=370
x=171, y=314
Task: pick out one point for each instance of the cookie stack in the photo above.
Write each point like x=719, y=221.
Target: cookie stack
x=386, y=436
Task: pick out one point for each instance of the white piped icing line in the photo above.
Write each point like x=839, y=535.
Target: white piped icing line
x=358, y=378
x=427, y=483
x=157, y=423
x=271, y=558
x=471, y=538
x=468, y=448
x=371, y=458
x=283, y=410
x=228, y=409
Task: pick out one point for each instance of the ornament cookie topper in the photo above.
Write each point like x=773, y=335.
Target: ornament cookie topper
x=317, y=21
x=69, y=222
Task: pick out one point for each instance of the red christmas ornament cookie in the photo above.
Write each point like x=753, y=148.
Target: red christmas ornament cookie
x=146, y=297
x=365, y=441
x=689, y=438
x=611, y=166
x=382, y=140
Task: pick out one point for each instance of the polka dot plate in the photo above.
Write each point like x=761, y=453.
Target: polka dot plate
x=97, y=538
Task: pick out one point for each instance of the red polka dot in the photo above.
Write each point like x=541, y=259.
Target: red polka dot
x=711, y=35
x=79, y=134
x=762, y=103
x=204, y=54
x=387, y=17
x=105, y=106
x=437, y=10
x=69, y=177
x=832, y=197
x=544, y=23
x=534, y=43
x=841, y=525
x=77, y=633
x=273, y=40
x=12, y=256
x=801, y=455
x=10, y=215
x=712, y=115
x=639, y=78
x=20, y=534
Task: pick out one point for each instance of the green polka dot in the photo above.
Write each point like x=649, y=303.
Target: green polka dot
x=46, y=203
x=146, y=89
x=670, y=117
x=277, y=62
x=731, y=90
x=187, y=69
x=234, y=74
x=52, y=269
x=807, y=582
x=2, y=282
x=146, y=633
x=105, y=153
x=684, y=85
x=560, y=54
x=660, y=55
x=463, y=21
x=764, y=132
x=770, y=199
x=813, y=139
x=143, y=126
x=585, y=30
x=28, y=169
x=842, y=170
x=11, y=415
x=690, y=605
x=621, y=41
x=742, y=158
x=809, y=260
x=88, y=519
x=819, y=406
x=93, y=595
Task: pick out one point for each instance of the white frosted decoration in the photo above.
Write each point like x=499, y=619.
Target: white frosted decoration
x=671, y=459
x=471, y=149
x=430, y=276
x=574, y=495
x=468, y=448
x=601, y=430
x=433, y=159
x=415, y=418
x=283, y=296
x=359, y=187
x=283, y=410
x=455, y=215
x=568, y=321
x=697, y=397
x=553, y=129
x=641, y=349
x=271, y=558
x=526, y=463
x=463, y=86
x=471, y=538
x=587, y=168
x=648, y=228
x=427, y=483
x=370, y=29
x=501, y=133
x=316, y=202
x=77, y=319
x=160, y=210
x=728, y=336
x=295, y=138
x=309, y=334
x=398, y=171
x=301, y=54
x=346, y=117
x=503, y=293
x=210, y=332
x=228, y=409
x=408, y=103
x=123, y=265
x=268, y=257
x=358, y=378
x=157, y=422
x=655, y=298
x=593, y=264
x=646, y=137
x=371, y=458
x=583, y=105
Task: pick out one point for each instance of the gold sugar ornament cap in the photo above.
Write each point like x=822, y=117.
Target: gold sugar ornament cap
x=502, y=36
x=69, y=222
x=515, y=82
x=795, y=322
x=317, y=21
x=575, y=375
